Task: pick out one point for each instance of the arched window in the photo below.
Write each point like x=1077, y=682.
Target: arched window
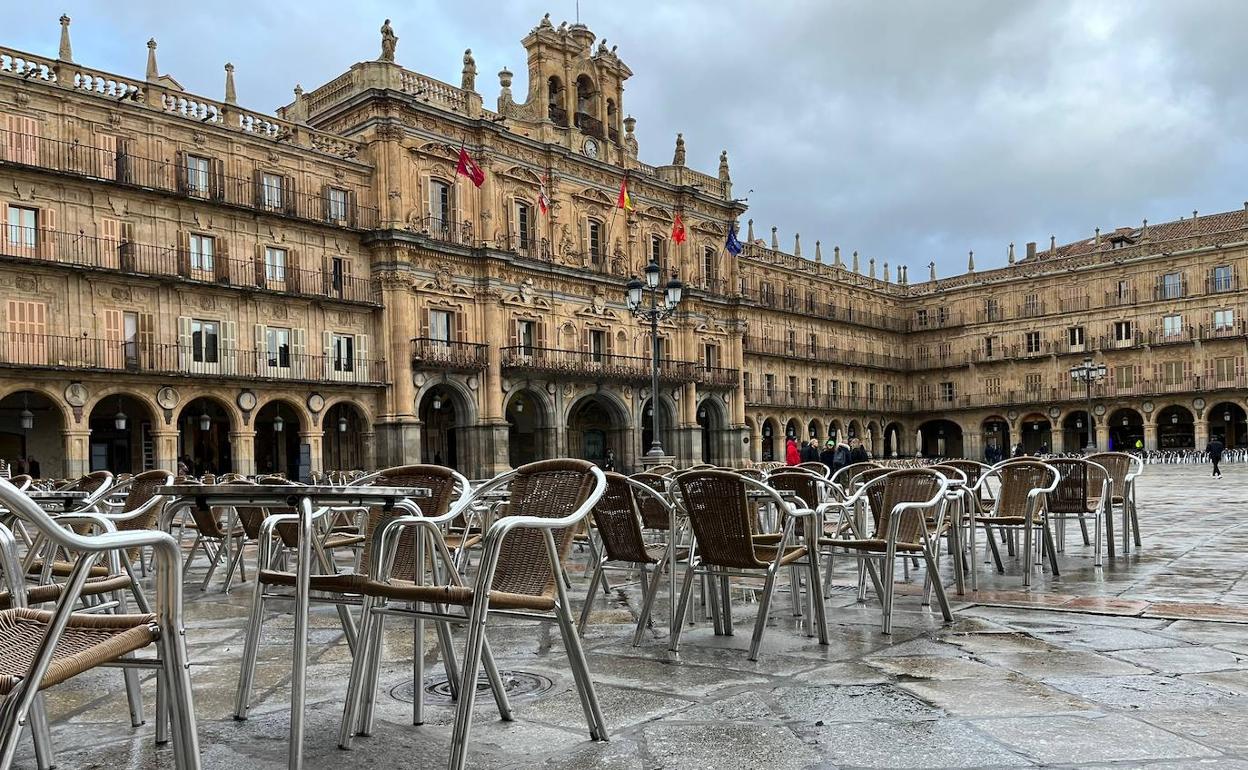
x=587, y=107
x=656, y=252
x=613, y=130
x=554, y=101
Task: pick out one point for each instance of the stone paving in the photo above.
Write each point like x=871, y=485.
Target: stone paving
x=1149, y=674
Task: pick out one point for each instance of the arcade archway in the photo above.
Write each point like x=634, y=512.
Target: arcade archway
x=1176, y=428
x=1076, y=431
x=1037, y=434
x=342, y=446
x=1126, y=431
x=1230, y=422
x=31, y=434
x=713, y=425
x=940, y=438
x=204, y=436
x=278, y=425
x=528, y=429
x=441, y=415
x=121, y=435
x=996, y=438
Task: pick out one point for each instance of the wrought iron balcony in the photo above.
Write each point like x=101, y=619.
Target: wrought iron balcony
x=444, y=230
x=582, y=364
x=428, y=353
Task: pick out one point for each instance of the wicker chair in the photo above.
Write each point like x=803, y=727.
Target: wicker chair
x=662, y=470
x=520, y=575
x=215, y=537
x=44, y=648
x=721, y=516
x=618, y=519
x=1082, y=490
x=845, y=476
x=655, y=511
x=1022, y=488
x=816, y=467
x=447, y=488
x=1123, y=470
x=907, y=505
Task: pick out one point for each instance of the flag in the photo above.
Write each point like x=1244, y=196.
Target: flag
x=678, y=230
x=732, y=245
x=469, y=168
x=543, y=200
x=624, y=200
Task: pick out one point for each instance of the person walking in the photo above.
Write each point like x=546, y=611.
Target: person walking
x=608, y=462
x=1215, y=450
x=857, y=452
x=810, y=451
x=791, y=455
x=842, y=456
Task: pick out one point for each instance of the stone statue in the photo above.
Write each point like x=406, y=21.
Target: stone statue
x=388, y=41
x=469, y=81
x=678, y=157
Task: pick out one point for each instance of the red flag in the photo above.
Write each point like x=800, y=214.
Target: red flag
x=469, y=168
x=678, y=230
x=543, y=201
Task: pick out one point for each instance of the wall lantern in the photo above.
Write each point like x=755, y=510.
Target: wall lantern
x=342, y=424
x=205, y=422
x=278, y=424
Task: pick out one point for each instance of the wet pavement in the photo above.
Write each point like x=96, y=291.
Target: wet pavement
x=1138, y=664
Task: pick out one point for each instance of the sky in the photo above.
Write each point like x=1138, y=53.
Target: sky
x=912, y=131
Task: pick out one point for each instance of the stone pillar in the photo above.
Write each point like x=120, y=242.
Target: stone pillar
x=1102, y=435
x=243, y=451
x=1202, y=431
x=398, y=431
x=314, y=440
x=166, y=444
x=1150, y=436
x=77, y=454
x=368, y=445
x=973, y=445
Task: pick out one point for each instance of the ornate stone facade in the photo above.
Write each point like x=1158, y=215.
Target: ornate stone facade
x=320, y=289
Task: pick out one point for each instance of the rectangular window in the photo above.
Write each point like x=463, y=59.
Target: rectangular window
x=201, y=252
x=946, y=392
x=992, y=386
x=274, y=264
x=1223, y=319
x=1031, y=341
x=712, y=356
x=23, y=235
x=834, y=388
x=709, y=270
x=990, y=347
x=888, y=392
x=439, y=206
x=277, y=346
x=1124, y=376
x=440, y=326
x=656, y=252
x=921, y=317
x=1124, y=291
x=197, y=170
x=1031, y=304
x=344, y=352
x=942, y=315
x=792, y=387
x=812, y=344
x=524, y=225
x=1122, y=332
x=871, y=391
x=595, y=242
x=1224, y=369
x=1172, y=372
x=597, y=345
x=792, y=340
x=27, y=331
x=1172, y=325
x=746, y=381
x=1172, y=286
x=1074, y=335
x=527, y=332
x=1223, y=278
x=205, y=341
x=271, y=192
x=337, y=274
x=814, y=387
x=944, y=350
x=992, y=310
x=1033, y=383
x=336, y=201
x=769, y=385
x=853, y=389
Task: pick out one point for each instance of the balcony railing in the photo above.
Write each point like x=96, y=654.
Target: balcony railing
x=596, y=366
x=44, y=351
x=80, y=250
x=938, y=320
x=1119, y=298
x=826, y=310
x=826, y=401
x=120, y=167
x=779, y=348
x=1076, y=392
x=428, y=353
x=589, y=125
x=444, y=230
x=557, y=115
x=716, y=376
x=1030, y=309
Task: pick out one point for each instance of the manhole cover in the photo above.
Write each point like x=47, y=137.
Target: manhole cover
x=518, y=684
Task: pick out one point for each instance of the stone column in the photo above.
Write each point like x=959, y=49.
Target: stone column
x=243, y=451
x=973, y=445
x=1102, y=435
x=77, y=453
x=166, y=446
x=1202, y=432
x=1150, y=436
x=313, y=438
x=368, y=446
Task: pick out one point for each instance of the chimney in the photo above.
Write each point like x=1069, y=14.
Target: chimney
x=1098, y=237
x=1031, y=250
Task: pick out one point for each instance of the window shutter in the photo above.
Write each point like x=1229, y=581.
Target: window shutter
x=461, y=326
x=293, y=273
x=1187, y=372
x=126, y=250
x=257, y=187
x=325, y=207
x=179, y=172
x=221, y=260
x=258, y=265
x=4, y=207
x=290, y=196
x=586, y=343
x=540, y=333
x=426, y=187
x=513, y=224
x=426, y=323
x=184, y=342
x=216, y=179
x=261, y=349
x=327, y=354
x=6, y=141
x=1209, y=373
x=515, y=332
x=110, y=243
x=147, y=339
x=327, y=276
x=229, y=346
x=361, y=354
x=299, y=353
x=351, y=209
x=113, y=338
x=585, y=240
x=184, y=254
x=123, y=160
x=105, y=160
x=47, y=233
x=1239, y=367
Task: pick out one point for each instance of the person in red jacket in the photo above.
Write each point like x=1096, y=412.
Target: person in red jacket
x=791, y=455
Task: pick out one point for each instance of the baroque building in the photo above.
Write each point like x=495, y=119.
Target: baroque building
x=185, y=278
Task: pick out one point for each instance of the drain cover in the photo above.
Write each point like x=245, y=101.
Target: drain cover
x=518, y=684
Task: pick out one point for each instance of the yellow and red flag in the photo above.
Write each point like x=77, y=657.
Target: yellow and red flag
x=678, y=230
x=624, y=201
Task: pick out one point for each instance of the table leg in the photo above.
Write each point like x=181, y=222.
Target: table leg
x=299, y=671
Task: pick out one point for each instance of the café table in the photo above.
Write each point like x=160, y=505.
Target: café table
x=304, y=500
x=57, y=500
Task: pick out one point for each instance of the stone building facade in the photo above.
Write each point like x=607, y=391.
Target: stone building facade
x=188, y=279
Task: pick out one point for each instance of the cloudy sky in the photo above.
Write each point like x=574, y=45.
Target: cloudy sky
x=911, y=130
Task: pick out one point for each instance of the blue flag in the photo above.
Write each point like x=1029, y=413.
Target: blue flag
x=733, y=246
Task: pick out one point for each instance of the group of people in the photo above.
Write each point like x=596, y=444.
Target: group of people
x=22, y=466
x=834, y=454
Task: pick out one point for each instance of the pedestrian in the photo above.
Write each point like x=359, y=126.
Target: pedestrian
x=791, y=455
x=184, y=466
x=608, y=462
x=828, y=456
x=1020, y=450
x=32, y=467
x=842, y=455
x=1215, y=449
x=810, y=451
x=1139, y=445
x=857, y=452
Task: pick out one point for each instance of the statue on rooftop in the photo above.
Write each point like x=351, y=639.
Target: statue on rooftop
x=469, y=81
x=678, y=157
x=388, y=41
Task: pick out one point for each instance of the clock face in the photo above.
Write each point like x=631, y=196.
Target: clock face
x=316, y=402
x=246, y=400
x=591, y=148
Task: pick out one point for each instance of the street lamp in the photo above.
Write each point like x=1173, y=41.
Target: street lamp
x=654, y=314
x=1088, y=372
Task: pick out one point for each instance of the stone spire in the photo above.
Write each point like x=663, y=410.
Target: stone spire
x=836, y=256
x=797, y=244
x=468, y=79
x=871, y=267
x=818, y=253
x=1010, y=257
x=1052, y=245
x=931, y=271
x=231, y=97
x=775, y=240
x=153, y=72
x=66, y=52
x=856, y=268
x=970, y=262
x=749, y=235
x=886, y=275
x=905, y=275
x=298, y=111
x=630, y=136
x=504, y=88
x=1144, y=230
x=724, y=175
x=1097, y=239
x=678, y=157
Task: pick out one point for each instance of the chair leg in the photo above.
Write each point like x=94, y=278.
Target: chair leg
x=1048, y=547
x=819, y=616
x=355, y=684
x=251, y=648
x=1109, y=529
x=580, y=673
x=496, y=682
x=1083, y=527
x=418, y=670
x=180, y=699
x=373, y=673
x=685, y=590
x=764, y=605
x=887, y=568
x=647, y=604
x=725, y=603
x=1097, y=548
x=941, y=598
x=589, y=597
x=41, y=735
x=134, y=696
x=468, y=682
x=795, y=592
x=1135, y=522
x=215, y=559
x=996, y=551
x=869, y=566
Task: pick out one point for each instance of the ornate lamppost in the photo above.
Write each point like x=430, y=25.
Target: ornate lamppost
x=1088, y=372
x=653, y=315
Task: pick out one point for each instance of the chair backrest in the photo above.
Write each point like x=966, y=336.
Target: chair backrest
x=845, y=476
x=974, y=471
x=801, y=483
x=618, y=519
x=1117, y=465
x=96, y=484
x=815, y=467
x=899, y=487
x=701, y=467
x=955, y=476
x=1018, y=478
x=1078, y=485
x=662, y=470
x=22, y=482
x=720, y=514
x=143, y=489
x=446, y=488
x=548, y=489
x=653, y=513
x=758, y=474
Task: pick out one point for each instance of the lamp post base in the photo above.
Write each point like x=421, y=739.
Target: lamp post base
x=649, y=460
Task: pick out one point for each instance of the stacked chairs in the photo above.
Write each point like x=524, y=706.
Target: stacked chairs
x=44, y=648
x=1123, y=470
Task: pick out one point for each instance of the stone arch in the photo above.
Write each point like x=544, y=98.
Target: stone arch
x=344, y=446
x=122, y=423
x=940, y=438
x=279, y=423
x=1126, y=428
x=1077, y=430
x=530, y=416
x=1229, y=421
x=44, y=440
x=770, y=439
x=444, y=410
x=1176, y=427
x=815, y=429
x=894, y=433
x=205, y=422
x=836, y=430
x=221, y=398
x=873, y=440
x=307, y=420
x=466, y=397
x=997, y=441
x=712, y=419
x=1036, y=433
x=855, y=429
x=598, y=422
x=667, y=424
